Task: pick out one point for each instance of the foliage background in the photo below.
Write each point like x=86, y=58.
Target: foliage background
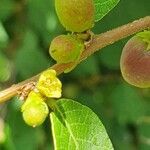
x=26, y=29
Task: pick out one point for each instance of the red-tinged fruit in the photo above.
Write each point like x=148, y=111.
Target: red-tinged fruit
x=66, y=48
x=135, y=60
x=76, y=15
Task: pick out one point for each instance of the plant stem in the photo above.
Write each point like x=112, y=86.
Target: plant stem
x=97, y=43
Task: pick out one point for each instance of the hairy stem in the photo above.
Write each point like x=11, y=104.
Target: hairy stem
x=97, y=43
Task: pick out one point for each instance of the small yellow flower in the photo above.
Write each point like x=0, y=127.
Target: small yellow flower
x=49, y=85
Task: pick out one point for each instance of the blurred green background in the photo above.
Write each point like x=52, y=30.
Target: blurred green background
x=26, y=29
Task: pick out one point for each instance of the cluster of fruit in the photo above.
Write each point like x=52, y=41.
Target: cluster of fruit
x=35, y=108
x=77, y=17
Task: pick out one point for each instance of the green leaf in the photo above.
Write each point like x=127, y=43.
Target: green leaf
x=110, y=56
x=6, y=9
x=144, y=133
x=127, y=104
x=76, y=127
x=30, y=59
x=3, y=36
x=102, y=7
x=5, y=68
x=86, y=68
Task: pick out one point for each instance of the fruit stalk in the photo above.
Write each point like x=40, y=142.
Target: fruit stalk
x=98, y=42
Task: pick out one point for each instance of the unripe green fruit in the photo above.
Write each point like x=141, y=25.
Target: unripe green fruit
x=76, y=15
x=135, y=60
x=66, y=48
x=35, y=114
x=34, y=110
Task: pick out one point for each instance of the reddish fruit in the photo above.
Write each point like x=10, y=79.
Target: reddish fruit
x=135, y=60
x=66, y=48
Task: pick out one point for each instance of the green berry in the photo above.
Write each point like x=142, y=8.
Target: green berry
x=34, y=110
x=135, y=60
x=33, y=97
x=75, y=15
x=35, y=114
x=66, y=48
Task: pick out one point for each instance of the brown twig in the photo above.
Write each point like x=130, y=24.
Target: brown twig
x=98, y=42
